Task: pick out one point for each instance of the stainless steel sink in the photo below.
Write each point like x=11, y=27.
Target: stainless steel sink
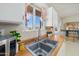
x=42, y=48
x=49, y=42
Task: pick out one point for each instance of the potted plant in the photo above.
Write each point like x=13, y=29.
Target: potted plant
x=16, y=35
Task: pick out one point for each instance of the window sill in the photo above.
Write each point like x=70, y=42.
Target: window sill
x=30, y=30
x=33, y=30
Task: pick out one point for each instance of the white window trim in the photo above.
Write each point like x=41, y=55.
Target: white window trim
x=33, y=27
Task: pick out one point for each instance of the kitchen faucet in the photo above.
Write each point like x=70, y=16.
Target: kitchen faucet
x=39, y=32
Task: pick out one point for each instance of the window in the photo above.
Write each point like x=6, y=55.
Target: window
x=29, y=17
x=29, y=22
x=37, y=20
x=32, y=19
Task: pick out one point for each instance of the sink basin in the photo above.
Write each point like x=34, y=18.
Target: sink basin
x=49, y=42
x=42, y=48
x=39, y=49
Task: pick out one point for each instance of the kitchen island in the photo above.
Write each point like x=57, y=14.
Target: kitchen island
x=71, y=35
x=67, y=32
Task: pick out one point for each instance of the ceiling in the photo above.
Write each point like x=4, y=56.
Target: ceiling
x=65, y=9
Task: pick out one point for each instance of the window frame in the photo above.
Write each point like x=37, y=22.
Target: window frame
x=33, y=25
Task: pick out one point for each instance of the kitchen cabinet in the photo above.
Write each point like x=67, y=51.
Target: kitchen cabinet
x=55, y=18
x=52, y=17
x=3, y=46
x=7, y=46
x=49, y=17
x=11, y=13
x=13, y=48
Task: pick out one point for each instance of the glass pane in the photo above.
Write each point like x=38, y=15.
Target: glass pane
x=37, y=22
x=29, y=17
x=29, y=22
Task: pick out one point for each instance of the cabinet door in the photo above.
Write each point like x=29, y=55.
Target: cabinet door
x=2, y=50
x=52, y=17
x=12, y=47
x=12, y=12
x=49, y=17
x=55, y=18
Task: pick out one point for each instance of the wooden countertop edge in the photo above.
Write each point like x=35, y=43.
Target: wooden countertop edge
x=56, y=50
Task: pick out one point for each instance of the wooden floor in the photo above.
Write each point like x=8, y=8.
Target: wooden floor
x=25, y=52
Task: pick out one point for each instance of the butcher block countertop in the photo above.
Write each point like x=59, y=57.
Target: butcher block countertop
x=25, y=52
